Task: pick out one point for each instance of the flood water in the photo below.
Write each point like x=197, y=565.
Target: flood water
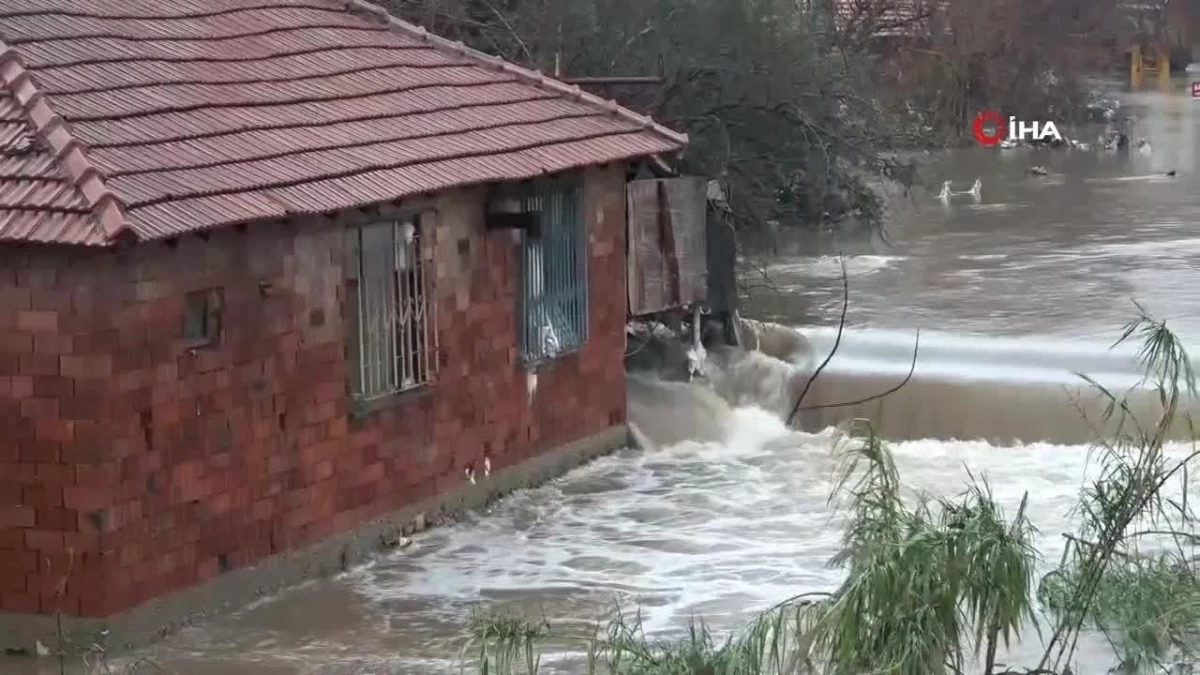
x=727, y=513
x=1061, y=255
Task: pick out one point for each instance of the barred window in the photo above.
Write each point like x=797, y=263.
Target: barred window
x=554, y=292
x=392, y=338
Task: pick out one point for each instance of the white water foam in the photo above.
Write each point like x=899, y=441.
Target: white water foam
x=1181, y=249
x=957, y=356
x=830, y=267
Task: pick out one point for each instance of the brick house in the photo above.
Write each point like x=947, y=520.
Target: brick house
x=267, y=275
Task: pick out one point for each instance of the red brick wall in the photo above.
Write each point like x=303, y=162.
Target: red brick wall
x=144, y=468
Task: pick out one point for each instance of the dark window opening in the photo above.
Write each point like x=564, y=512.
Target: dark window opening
x=202, y=316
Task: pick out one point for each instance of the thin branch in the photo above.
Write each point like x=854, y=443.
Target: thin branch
x=911, y=369
x=511, y=31
x=836, y=343
x=1091, y=544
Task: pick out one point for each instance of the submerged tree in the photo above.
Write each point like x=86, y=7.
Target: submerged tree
x=1028, y=58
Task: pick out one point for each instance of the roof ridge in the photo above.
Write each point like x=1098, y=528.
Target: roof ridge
x=69, y=152
x=526, y=75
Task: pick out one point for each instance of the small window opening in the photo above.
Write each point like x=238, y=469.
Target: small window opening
x=202, y=316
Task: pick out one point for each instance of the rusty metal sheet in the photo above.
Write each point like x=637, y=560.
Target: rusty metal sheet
x=667, y=266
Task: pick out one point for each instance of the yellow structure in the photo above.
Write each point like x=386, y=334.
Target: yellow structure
x=1158, y=66
x=1135, y=67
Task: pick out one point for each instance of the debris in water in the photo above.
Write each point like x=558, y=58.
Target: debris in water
x=389, y=539
x=1038, y=171
x=944, y=195
x=531, y=384
x=696, y=357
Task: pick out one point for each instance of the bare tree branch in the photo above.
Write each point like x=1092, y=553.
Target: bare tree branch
x=912, y=368
x=836, y=343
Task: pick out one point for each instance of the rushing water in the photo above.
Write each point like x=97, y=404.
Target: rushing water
x=727, y=513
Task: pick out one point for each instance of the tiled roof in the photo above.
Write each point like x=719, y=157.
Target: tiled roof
x=45, y=179
x=161, y=117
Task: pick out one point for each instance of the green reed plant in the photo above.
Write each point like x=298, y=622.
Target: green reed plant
x=506, y=644
x=767, y=646
x=1144, y=603
x=927, y=582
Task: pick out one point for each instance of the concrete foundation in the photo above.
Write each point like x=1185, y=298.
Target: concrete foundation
x=23, y=633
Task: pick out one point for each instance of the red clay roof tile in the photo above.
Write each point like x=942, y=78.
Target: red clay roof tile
x=164, y=117
x=38, y=199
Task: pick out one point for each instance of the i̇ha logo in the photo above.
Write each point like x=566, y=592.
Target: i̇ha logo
x=991, y=128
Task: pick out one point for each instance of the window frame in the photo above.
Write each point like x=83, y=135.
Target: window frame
x=209, y=304
x=387, y=356
x=563, y=277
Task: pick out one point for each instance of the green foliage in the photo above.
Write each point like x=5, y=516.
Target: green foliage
x=794, y=114
x=502, y=642
x=1144, y=603
x=765, y=646
x=922, y=580
x=1148, y=605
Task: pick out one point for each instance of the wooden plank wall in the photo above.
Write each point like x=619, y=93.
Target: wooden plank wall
x=667, y=267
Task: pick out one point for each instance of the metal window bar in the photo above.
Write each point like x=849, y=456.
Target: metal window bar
x=395, y=343
x=554, y=289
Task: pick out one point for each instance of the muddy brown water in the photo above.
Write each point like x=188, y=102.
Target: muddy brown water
x=727, y=512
